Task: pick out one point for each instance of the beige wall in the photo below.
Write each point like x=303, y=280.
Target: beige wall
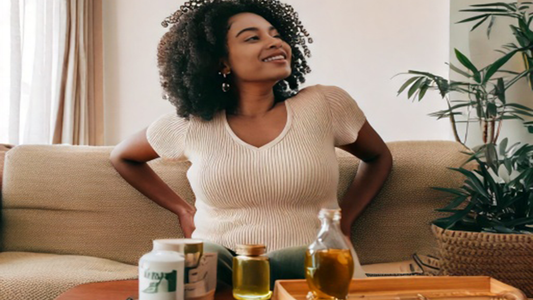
x=358, y=45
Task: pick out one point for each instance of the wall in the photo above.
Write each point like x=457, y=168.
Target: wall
x=358, y=45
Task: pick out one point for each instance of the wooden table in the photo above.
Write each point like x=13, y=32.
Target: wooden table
x=116, y=290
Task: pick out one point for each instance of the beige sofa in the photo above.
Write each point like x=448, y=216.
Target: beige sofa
x=69, y=218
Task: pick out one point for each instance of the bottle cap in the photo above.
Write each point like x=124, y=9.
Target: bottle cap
x=253, y=250
x=334, y=214
x=179, y=245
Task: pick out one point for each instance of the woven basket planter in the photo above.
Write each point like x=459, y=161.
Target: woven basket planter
x=505, y=257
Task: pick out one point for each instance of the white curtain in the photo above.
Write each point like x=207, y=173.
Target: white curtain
x=50, y=72
x=31, y=42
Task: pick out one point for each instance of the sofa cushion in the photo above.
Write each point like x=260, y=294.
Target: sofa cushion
x=70, y=200
x=396, y=224
x=25, y=275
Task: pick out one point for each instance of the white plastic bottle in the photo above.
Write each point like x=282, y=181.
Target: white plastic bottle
x=161, y=275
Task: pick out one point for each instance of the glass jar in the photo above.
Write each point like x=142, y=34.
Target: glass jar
x=329, y=263
x=251, y=273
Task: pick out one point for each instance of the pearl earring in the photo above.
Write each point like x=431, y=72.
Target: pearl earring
x=225, y=85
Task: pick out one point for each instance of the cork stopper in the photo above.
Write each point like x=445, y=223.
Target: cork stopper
x=251, y=250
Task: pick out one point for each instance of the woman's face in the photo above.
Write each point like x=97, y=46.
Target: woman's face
x=256, y=51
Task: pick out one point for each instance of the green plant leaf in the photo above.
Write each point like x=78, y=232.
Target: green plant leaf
x=468, y=64
x=459, y=71
x=473, y=181
x=489, y=28
x=508, y=164
x=518, y=222
x=455, y=202
x=407, y=83
x=448, y=222
x=492, y=156
x=520, y=106
x=423, y=89
x=448, y=190
x=521, y=112
x=484, y=10
x=479, y=23
x=512, y=81
x=504, y=4
x=500, y=90
x=414, y=87
x=472, y=18
x=497, y=65
x=508, y=72
x=502, y=229
x=492, y=111
x=484, y=222
x=503, y=145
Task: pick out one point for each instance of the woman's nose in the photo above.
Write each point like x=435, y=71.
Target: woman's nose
x=274, y=42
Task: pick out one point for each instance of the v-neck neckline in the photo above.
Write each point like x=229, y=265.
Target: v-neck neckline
x=269, y=144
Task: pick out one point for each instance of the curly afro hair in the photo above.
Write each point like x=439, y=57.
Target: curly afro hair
x=188, y=55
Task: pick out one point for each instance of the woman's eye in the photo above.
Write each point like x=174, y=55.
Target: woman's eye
x=253, y=37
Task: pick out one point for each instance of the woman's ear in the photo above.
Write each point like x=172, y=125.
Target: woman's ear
x=224, y=66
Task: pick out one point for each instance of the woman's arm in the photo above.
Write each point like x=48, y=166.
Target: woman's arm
x=376, y=164
x=129, y=159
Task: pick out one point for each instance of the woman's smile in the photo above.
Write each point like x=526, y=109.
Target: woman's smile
x=276, y=59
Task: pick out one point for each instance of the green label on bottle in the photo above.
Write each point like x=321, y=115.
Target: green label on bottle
x=157, y=278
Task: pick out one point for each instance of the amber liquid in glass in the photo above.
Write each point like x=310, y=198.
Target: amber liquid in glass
x=329, y=272
x=251, y=279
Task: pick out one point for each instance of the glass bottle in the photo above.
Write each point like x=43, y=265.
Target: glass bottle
x=251, y=273
x=329, y=260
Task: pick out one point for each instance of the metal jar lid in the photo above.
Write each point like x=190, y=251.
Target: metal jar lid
x=251, y=250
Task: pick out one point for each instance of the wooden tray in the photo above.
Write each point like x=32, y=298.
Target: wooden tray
x=411, y=288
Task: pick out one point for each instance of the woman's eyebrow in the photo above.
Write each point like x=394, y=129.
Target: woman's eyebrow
x=253, y=29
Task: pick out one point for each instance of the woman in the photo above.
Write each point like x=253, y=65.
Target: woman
x=262, y=151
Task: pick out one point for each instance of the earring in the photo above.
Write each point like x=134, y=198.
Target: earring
x=225, y=85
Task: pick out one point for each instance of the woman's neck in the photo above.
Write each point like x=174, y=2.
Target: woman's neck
x=255, y=100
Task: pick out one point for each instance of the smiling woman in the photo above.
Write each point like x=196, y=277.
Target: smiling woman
x=262, y=151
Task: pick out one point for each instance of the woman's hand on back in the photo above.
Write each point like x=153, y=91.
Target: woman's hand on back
x=186, y=219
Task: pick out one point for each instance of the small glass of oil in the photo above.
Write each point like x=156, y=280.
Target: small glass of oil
x=251, y=273
x=329, y=264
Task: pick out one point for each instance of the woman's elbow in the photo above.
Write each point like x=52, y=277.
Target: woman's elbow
x=116, y=155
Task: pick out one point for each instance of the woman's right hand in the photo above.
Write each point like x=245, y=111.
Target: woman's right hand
x=186, y=219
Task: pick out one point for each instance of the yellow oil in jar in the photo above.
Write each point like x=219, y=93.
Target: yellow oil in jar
x=251, y=278
x=329, y=272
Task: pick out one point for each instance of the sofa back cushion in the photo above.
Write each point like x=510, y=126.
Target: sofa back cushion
x=396, y=224
x=70, y=200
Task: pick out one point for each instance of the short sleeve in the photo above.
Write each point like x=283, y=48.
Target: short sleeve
x=167, y=136
x=346, y=116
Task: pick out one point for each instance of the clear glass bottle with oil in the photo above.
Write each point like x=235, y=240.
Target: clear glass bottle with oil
x=329, y=260
x=251, y=273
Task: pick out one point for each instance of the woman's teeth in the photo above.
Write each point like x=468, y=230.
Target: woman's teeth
x=273, y=58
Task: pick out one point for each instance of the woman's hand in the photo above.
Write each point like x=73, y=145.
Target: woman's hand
x=186, y=219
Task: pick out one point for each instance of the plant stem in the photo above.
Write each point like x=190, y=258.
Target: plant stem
x=492, y=137
x=454, y=125
x=485, y=127
x=499, y=128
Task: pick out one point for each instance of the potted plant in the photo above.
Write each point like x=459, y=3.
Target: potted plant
x=490, y=229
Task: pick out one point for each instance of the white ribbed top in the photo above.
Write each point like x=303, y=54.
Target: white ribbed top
x=268, y=195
